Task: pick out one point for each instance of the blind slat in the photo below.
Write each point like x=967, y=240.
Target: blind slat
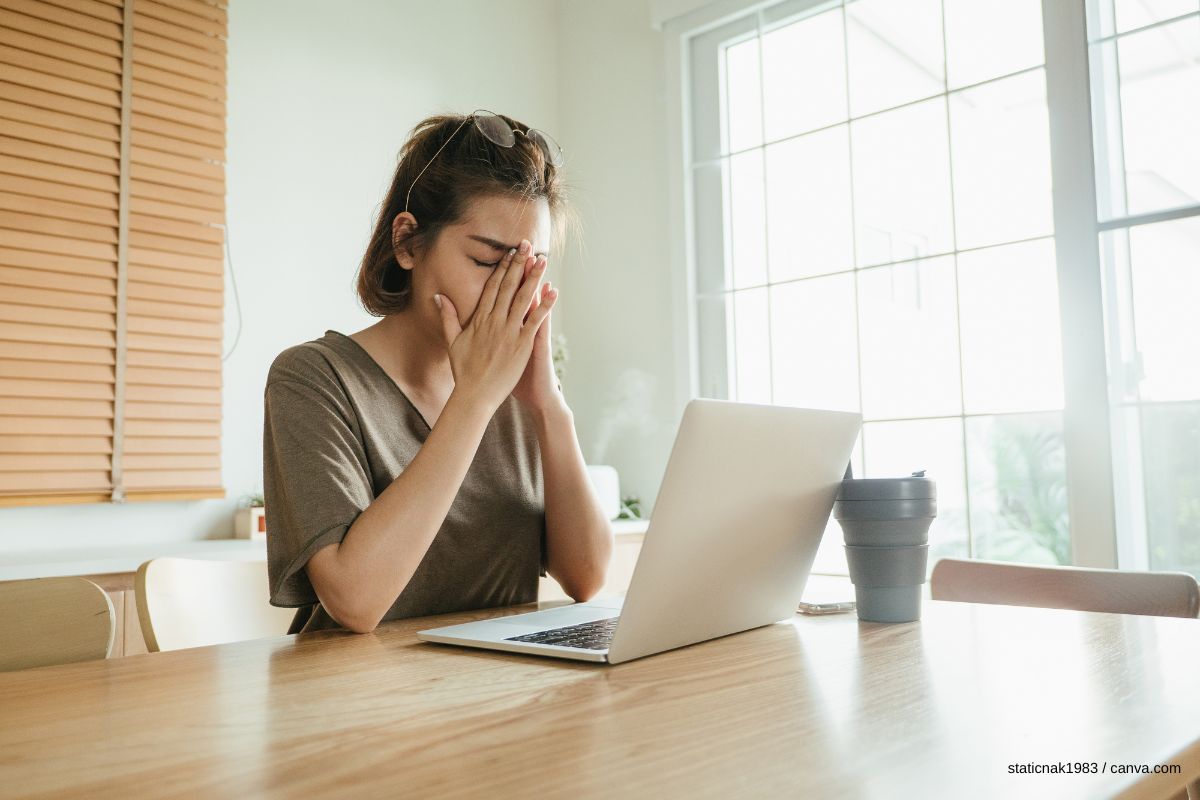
x=62, y=86
x=68, y=390
x=40, y=407
x=157, y=208
x=173, y=461
x=55, y=226
x=41, y=279
x=177, y=96
x=169, y=479
x=53, y=371
x=149, y=107
x=184, y=19
x=183, y=197
x=92, y=8
x=58, y=245
x=98, y=112
x=152, y=358
x=57, y=263
x=51, y=334
x=161, y=44
x=48, y=426
x=67, y=354
x=201, y=8
x=57, y=49
x=175, y=311
x=48, y=65
x=174, y=244
x=187, y=164
x=50, y=462
x=144, y=23
x=173, y=394
x=174, y=277
x=173, y=344
x=184, y=328
x=55, y=444
x=174, y=429
x=71, y=19
x=177, y=295
x=16, y=482
x=148, y=376
x=49, y=154
x=70, y=176
x=97, y=137
x=170, y=411
x=57, y=209
x=61, y=33
x=163, y=69
x=49, y=190
x=57, y=317
x=158, y=444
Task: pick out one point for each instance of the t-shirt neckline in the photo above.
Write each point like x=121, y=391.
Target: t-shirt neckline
x=368, y=357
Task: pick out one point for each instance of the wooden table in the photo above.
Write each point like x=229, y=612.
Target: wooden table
x=815, y=707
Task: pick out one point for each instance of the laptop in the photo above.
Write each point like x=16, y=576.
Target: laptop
x=744, y=501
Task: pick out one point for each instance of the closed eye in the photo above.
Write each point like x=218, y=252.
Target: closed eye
x=479, y=263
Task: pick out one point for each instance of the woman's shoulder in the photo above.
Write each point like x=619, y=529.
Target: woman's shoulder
x=315, y=362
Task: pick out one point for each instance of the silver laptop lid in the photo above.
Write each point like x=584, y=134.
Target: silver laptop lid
x=745, y=498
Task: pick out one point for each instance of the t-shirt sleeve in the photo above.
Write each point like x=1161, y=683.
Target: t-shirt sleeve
x=316, y=479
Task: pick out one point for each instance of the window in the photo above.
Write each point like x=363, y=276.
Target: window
x=111, y=269
x=874, y=230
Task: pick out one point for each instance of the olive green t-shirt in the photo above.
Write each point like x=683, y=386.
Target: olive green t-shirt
x=337, y=430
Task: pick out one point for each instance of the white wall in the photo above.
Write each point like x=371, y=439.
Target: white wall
x=321, y=96
x=616, y=301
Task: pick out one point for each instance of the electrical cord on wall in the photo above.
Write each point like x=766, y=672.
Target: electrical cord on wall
x=237, y=300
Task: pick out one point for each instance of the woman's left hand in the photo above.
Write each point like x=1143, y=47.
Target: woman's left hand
x=538, y=389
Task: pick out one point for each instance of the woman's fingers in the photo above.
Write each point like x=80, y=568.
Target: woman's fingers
x=541, y=312
x=451, y=327
x=524, y=295
x=487, y=299
x=512, y=279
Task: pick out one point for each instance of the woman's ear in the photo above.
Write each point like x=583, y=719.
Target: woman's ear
x=403, y=228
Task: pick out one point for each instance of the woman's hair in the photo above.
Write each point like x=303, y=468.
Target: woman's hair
x=470, y=167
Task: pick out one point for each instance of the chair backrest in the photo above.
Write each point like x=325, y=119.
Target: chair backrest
x=47, y=621
x=1161, y=594
x=184, y=602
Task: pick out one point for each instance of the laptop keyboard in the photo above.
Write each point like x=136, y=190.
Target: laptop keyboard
x=588, y=635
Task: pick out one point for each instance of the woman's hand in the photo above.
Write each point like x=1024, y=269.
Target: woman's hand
x=539, y=389
x=489, y=356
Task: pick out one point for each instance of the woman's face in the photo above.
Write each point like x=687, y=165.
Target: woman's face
x=465, y=254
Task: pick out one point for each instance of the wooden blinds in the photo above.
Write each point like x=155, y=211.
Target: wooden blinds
x=112, y=211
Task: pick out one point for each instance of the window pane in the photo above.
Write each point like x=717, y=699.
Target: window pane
x=1171, y=443
x=808, y=205
x=989, y=38
x=1165, y=260
x=804, y=75
x=1132, y=14
x=814, y=344
x=1012, y=351
x=748, y=219
x=896, y=449
x=1000, y=137
x=1017, y=480
x=895, y=52
x=753, y=354
x=909, y=326
x=743, y=96
x=902, y=184
x=1160, y=114
x=714, y=331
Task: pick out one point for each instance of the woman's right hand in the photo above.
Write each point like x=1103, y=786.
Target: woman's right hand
x=489, y=356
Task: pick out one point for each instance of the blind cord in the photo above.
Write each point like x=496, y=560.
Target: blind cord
x=237, y=300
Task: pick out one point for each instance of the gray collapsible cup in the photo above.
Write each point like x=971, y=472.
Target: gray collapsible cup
x=886, y=526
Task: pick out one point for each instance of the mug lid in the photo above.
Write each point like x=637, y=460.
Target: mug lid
x=913, y=487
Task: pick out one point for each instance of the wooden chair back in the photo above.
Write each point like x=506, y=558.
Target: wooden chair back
x=46, y=621
x=1161, y=594
x=184, y=602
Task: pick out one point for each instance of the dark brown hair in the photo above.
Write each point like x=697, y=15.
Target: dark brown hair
x=468, y=168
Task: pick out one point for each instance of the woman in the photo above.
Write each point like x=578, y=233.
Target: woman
x=429, y=463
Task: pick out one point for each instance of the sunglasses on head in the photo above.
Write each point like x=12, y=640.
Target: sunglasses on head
x=499, y=132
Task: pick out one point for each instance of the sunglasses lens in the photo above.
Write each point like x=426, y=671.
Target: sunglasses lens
x=549, y=146
x=495, y=129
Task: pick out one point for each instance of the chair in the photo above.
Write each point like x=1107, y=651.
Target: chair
x=185, y=602
x=1160, y=594
x=54, y=621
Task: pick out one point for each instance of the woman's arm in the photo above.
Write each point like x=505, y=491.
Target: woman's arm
x=358, y=579
x=579, y=538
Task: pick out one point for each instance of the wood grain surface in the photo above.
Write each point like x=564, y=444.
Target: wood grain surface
x=813, y=707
